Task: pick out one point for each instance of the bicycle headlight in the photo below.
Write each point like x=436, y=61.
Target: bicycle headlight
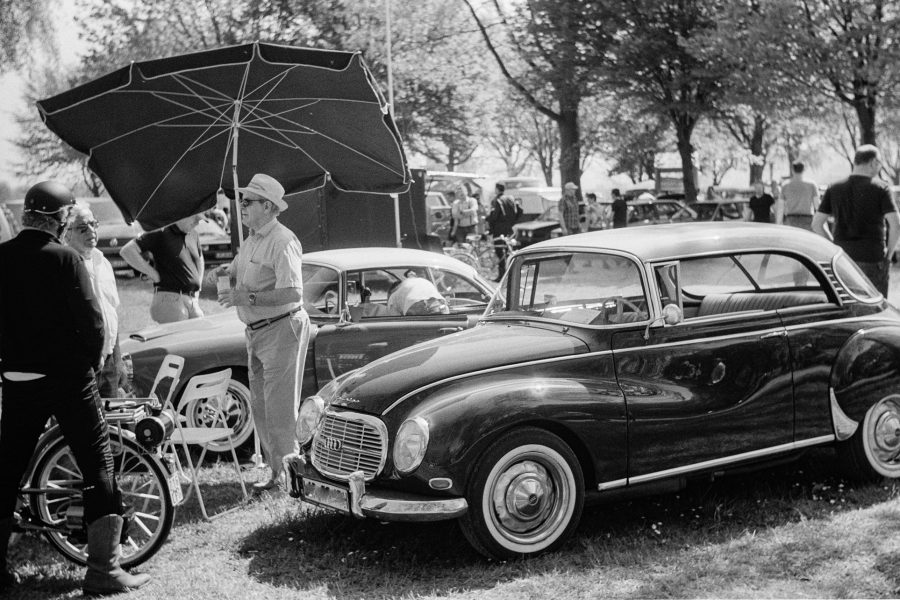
x=311, y=412
x=410, y=445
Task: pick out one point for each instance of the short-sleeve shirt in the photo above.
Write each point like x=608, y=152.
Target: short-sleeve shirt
x=568, y=207
x=800, y=198
x=858, y=205
x=270, y=258
x=103, y=281
x=177, y=257
x=762, y=208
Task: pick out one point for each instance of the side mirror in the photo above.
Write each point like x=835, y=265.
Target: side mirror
x=671, y=315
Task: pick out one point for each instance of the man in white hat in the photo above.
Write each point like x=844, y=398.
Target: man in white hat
x=267, y=289
x=568, y=210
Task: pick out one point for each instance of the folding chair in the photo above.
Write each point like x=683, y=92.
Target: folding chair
x=212, y=387
x=171, y=368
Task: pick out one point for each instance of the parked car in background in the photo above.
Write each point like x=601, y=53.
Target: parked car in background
x=654, y=211
x=345, y=293
x=515, y=183
x=535, y=200
x=721, y=210
x=610, y=364
x=546, y=226
x=215, y=243
x=438, y=214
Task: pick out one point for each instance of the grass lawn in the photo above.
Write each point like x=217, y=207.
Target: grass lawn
x=796, y=531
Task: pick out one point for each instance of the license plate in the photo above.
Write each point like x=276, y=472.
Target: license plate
x=325, y=494
x=175, y=489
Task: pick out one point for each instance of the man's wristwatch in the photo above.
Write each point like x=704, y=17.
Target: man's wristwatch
x=252, y=298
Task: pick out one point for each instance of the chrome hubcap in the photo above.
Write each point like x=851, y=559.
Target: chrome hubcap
x=525, y=497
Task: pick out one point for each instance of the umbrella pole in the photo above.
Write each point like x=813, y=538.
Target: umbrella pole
x=236, y=229
x=396, y=198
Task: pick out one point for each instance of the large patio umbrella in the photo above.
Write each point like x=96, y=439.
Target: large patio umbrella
x=165, y=135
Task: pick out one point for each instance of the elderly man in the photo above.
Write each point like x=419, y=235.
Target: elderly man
x=52, y=331
x=268, y=294
x=866, y=224
x=177, y=271
x=569, y=221
x=81, y=236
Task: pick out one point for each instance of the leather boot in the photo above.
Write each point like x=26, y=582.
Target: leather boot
x=104, y=575
x=7, y=577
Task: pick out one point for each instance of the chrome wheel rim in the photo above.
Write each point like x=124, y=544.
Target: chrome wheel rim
x=530, y=498
x=882, y=436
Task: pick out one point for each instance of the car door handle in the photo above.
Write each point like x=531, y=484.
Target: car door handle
x=773, y=334
x=446, y=330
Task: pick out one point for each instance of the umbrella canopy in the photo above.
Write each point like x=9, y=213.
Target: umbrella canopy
x=165, y=135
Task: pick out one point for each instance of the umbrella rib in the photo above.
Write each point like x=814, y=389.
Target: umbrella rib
x=193, y=145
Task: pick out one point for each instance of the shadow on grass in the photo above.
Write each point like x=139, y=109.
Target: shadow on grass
x=310, y=548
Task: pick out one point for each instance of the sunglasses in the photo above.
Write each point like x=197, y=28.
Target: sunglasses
x=245, y=202
x=87, y=226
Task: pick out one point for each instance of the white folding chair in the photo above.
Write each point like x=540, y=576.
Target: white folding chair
x=171, y=368
x=213, y=388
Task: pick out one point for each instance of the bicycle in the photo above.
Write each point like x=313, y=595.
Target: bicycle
x=50, y=500
x=478, y=252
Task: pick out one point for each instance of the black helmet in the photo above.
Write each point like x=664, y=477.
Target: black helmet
x=48, y=198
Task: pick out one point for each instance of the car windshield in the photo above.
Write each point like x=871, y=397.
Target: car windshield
x=321, y=285
x=587, y=288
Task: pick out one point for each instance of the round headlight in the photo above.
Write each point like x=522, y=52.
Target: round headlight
x=311, y=412
x=410, y=445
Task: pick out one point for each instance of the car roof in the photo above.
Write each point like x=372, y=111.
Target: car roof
x=673, y=240
x=367, y=258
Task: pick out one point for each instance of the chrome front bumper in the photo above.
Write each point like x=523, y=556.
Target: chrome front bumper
x=353, y=498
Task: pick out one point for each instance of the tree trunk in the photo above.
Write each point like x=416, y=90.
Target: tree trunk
x=865, y=112
x=684, y=127
x=570, y=147
x=757, y=152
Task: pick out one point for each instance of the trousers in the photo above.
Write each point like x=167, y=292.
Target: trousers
x=74, y=401
x=879, y=273
x=168, y=307
x=275, y=359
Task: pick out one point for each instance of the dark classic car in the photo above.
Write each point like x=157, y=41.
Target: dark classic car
x=340, y=340
x=614, y=363
x=543, y=228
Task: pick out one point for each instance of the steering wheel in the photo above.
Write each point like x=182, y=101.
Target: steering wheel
x=620, y=303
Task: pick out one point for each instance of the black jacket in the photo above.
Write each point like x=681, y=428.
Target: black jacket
x=50, y=321
x=505, y=213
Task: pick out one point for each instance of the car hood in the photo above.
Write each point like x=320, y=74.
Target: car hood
x=532, y=225
x=213, y=325
x=376, y=386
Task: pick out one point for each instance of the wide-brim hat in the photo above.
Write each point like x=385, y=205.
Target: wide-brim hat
x=266, y=187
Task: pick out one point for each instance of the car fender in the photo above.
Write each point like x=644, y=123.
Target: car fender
x=466, y=416
x=867, y=369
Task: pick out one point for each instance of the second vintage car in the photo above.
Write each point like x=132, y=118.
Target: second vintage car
x=344, y=292
x=614, y=363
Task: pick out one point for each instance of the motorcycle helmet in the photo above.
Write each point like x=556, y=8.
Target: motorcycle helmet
x=48, y=198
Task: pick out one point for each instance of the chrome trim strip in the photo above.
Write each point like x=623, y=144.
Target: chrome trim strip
x=862, y=319
x=609, y=485
x=844, y=426
x=816, y=441
x=757, y=333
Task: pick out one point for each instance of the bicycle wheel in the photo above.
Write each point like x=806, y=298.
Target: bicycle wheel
x=142, y=481
x=464, y=256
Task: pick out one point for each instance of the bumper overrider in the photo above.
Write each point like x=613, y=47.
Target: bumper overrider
x=353, y=498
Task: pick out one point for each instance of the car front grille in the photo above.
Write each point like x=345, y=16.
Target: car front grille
x=348, y=442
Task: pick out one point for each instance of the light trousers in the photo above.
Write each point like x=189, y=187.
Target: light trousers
x=276, y=356
x=169, y=307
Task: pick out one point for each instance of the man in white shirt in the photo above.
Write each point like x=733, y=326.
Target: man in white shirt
x=798, y=201
x=81, y=236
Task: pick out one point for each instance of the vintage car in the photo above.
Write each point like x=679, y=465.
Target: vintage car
x=613, y=363
x=340, y=340
x=721, y=210
x=546, y=226
x=214, y=242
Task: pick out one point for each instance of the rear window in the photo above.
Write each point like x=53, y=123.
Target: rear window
x=854, y=280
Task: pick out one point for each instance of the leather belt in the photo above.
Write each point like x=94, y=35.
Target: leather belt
x=265, y=322
x=171, y=291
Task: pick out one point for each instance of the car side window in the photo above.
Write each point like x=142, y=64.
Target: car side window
x=772, y=271
x=457, y=290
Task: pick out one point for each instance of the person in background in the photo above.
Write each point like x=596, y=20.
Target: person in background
x=53, y=337
x=268, y=293
x=593, y=219
x=568, y=210
x=505, y=213
x=81, y=236
x=177, y=272
x=465, y=216
x=619, y=210
x=866, y=224
x=761, y=204
x=799, y=200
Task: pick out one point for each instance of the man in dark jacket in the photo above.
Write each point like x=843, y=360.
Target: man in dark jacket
x=51, y=338
x=504, y=214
